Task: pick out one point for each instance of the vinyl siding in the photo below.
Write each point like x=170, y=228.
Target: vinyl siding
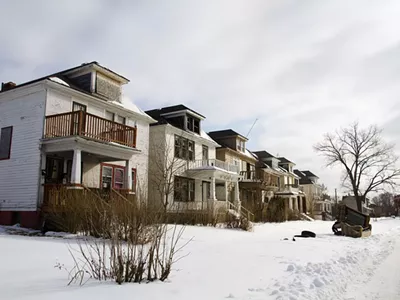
x=19, y=176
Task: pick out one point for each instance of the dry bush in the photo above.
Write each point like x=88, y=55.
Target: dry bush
x=133, y=244
x=276, y=210
x=293, y=215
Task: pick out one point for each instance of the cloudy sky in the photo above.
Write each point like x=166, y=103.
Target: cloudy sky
x=302, y=68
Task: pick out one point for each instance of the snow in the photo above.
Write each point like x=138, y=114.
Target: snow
x=58, y=80
x=223, y=264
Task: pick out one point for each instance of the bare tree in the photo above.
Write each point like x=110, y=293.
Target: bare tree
x=164, y=165
x=369, y=162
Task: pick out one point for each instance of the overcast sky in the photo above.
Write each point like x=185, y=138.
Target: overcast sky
x=302, y=68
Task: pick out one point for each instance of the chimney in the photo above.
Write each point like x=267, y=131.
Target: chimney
x=7, y=86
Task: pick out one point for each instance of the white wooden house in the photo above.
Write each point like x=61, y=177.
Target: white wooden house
x=69, y=128
x=185, y=156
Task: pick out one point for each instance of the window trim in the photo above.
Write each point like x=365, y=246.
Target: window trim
x=188, y=181
x=113, y=167
x=9, y=143
x=183, y=151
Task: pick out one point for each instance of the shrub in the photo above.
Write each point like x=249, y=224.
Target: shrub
x=276, y=210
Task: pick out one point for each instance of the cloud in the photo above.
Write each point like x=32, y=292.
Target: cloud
x=301, y=68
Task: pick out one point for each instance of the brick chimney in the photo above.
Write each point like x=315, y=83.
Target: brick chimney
x=7, y=86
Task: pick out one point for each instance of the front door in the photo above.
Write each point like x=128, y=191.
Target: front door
x=54, y=170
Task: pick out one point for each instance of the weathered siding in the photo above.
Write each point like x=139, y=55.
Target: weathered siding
x=19, y=176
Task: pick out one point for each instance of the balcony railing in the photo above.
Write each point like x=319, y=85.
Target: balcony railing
x=203, y=163
x=260, y=176
x=80, y=123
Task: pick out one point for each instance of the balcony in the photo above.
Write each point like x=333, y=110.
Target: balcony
x=205, y=163
x=261, y=177
x=80, y=123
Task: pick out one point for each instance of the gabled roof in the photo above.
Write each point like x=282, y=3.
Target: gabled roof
x=284, y=160
x=263, y=154
x=218, y=134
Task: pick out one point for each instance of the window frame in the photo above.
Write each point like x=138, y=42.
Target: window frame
x=11, y=128
x=184, y=148
x=188, y=185
x=114, y=167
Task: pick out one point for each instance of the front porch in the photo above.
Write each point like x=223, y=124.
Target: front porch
x=209, y=189
x=83, y=165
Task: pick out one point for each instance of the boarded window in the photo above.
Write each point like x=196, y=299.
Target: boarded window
x=5, y=142
x=107, y=89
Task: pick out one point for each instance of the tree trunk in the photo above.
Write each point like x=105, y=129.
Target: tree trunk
x=359, y=202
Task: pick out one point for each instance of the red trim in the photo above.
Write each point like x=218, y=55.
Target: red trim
x=11, y=136
x=113, y=175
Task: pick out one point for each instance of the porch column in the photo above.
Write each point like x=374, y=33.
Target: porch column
x=128, y=175
x=237, y=195
x=42, y=178
x=226, y=191
x=76, y=167
x=296, y=204
x=290, y=203
x=301, y=204
x=213, y=195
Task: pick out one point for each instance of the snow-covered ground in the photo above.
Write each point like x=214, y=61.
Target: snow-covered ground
x=225, y=264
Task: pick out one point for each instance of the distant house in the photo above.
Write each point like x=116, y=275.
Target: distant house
x=68, y=129
x=310, y=186
x=288, y=182
x=350, y=201
x=184, y=155
x=258, y=181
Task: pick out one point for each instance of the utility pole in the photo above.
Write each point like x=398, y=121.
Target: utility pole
x=336, y=196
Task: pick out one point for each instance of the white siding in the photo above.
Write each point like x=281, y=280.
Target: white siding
x=60, y=103
x=19, y=176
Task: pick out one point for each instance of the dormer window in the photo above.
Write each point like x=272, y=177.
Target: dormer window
x=193, y=124
x=241, y=145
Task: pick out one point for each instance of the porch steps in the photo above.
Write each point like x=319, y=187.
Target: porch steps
x=305, y=217
x=234, y=213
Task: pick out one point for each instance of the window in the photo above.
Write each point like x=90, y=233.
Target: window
x=110, y=116
x=241, y=146
x=205, y=153
x=77, y=106
x=112, y=176
x=118, y=178
x=184, y=189
x=5, y=142
x=184, y=148
x=106, y=176
x=193, y=124
x=120, y=120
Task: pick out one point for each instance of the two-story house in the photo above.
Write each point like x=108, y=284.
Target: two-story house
x=258, y=181
x=184, y=173
x=313, y=190
x=69, y=128
x=288, y=187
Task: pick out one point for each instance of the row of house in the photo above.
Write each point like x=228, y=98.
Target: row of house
x=72, y=129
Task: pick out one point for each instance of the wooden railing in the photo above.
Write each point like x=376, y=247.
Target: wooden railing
x=80, y=123
x=260, y=176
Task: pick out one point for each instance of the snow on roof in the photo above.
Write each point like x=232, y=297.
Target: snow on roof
x=128, y=104
x=58, y=80
x=214, y=168
x=250, y=154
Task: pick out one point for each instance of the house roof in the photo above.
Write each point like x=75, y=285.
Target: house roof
x=263, y=154
x=218, y=134
x=172, y=109
x=284, y=160
x=61, y=75
x=303, y=177
x=309, y=174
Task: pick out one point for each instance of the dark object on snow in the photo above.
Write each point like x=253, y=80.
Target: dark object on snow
x=305, y=234
x=352, y=223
